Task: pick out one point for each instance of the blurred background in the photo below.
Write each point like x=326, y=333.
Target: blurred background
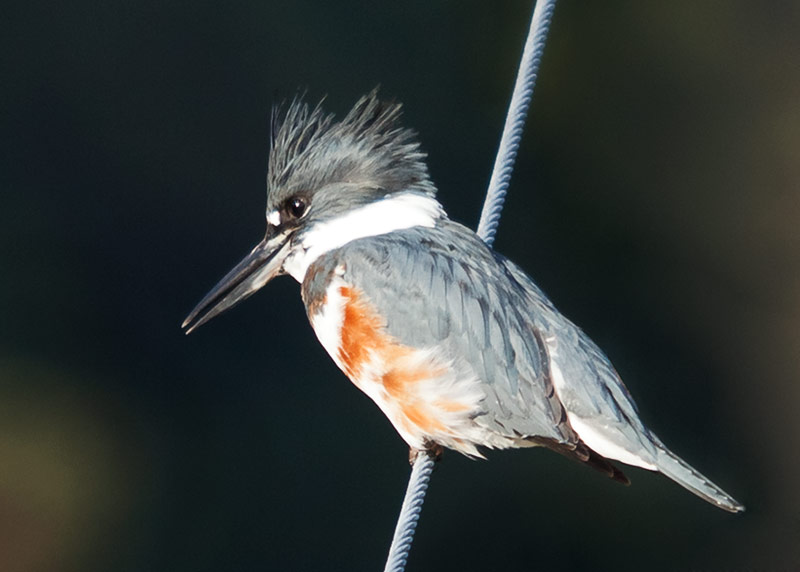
x=656, y=199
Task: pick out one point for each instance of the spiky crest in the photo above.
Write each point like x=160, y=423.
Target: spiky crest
x=309, y=150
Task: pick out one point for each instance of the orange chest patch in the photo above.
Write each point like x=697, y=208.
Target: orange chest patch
x=364, y=338
x=369, y=354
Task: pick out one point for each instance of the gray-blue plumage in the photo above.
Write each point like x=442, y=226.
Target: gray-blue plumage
x=447, y=289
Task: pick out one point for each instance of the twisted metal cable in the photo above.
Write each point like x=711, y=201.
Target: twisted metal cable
x=515, y=120
x=487, y=228
x=409, y=513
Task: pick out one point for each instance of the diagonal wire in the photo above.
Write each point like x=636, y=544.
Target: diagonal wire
x=487, y=228
x=409, y=513
x=515, y=120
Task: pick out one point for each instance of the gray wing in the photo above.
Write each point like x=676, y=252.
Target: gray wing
x=593, y=390
x=446, y=289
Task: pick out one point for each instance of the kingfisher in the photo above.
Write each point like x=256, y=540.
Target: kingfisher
x=456, y=344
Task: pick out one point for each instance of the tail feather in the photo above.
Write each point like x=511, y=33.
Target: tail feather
x=681, y=472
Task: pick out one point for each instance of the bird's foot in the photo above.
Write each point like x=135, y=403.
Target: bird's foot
x=434, y=450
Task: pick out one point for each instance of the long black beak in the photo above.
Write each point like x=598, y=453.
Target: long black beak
x=259, y=267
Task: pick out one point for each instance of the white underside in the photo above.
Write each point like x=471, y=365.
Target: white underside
x=327, y=323
x=596, y=436
x=395, y=212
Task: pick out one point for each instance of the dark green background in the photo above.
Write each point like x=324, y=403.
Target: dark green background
x=656, y=199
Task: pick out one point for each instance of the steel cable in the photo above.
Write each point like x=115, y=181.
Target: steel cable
x=515, y=120
x=487, y=228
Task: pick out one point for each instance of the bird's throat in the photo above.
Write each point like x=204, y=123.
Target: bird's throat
x=396, y=212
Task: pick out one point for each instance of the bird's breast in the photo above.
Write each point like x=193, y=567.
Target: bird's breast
x=420, y=389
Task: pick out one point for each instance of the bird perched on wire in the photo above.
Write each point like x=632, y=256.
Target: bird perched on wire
x=455, y=343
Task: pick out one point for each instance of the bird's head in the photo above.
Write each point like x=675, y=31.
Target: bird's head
x=329, y=182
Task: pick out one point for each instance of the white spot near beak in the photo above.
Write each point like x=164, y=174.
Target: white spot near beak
x=274, y=218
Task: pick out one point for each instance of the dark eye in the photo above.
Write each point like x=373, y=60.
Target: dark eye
x=296, y=207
